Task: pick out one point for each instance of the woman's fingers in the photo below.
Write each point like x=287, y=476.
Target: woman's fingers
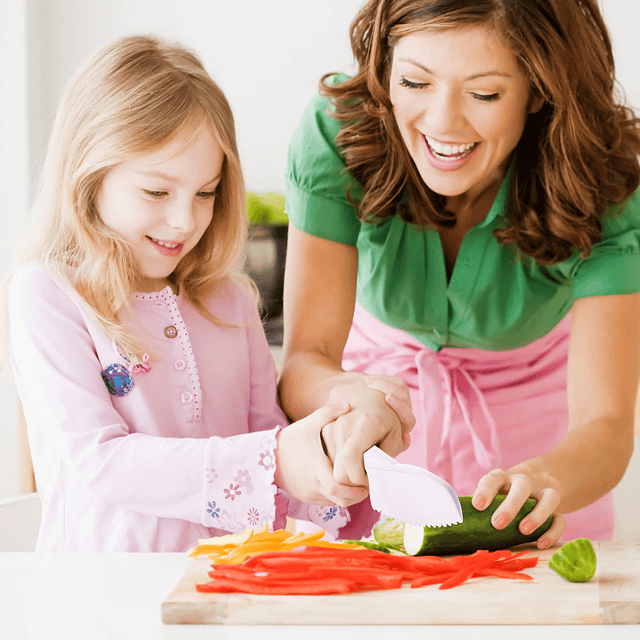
x=487, y=489
x=552, y=536
x=403, y=411
x=396, y=396
x=518, y=488
x=548, y=501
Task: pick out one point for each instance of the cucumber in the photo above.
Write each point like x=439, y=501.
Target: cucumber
x=389, y=531
x=575, y=561
x=473, y=533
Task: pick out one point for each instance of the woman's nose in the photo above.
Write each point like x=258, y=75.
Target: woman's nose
x=444, y=115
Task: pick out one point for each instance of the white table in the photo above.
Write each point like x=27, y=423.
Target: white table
x=91, y=596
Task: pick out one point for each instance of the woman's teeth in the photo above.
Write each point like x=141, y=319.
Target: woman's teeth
x=451, y=150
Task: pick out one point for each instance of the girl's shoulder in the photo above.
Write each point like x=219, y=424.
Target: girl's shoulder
x=35, y=281
x=234, y=299
x=39, y=297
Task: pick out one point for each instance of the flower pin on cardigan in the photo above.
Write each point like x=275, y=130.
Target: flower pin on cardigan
x=118, y=379
x=142, y=367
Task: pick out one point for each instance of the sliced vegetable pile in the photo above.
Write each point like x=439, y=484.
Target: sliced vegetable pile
x=306, y=565
x=235, y=547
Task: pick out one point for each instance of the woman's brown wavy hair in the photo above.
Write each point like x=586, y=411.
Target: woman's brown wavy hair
x=578, y=154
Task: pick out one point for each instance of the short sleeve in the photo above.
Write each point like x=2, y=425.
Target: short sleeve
x=613, y=268
x=316, y=178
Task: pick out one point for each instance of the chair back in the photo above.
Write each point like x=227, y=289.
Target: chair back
x=19, y=522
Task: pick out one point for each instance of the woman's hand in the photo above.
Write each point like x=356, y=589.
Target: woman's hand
x=518, y=487
x=381, y=414
x=303, y=470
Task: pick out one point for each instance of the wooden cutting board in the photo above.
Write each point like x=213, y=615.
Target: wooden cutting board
x=611, y=597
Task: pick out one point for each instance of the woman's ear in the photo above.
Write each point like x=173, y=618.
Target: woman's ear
x=536, y=102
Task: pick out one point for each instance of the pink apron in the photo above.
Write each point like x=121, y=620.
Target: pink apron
x=476, y=410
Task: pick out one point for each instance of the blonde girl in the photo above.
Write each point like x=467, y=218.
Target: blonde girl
x=146, y=380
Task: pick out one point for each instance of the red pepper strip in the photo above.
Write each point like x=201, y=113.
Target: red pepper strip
x=458, y=578
x=473, y=564
x=384, y=578
x=433, y=579
x=516, y=565
x=364, y=577
x=504, y=574
x=324, y=587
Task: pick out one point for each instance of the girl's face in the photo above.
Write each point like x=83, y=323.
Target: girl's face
x=461, y=102
x=162, y=202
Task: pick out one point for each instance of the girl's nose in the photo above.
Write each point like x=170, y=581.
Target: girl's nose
x=181, y=216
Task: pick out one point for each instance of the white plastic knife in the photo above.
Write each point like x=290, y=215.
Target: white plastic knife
x=408, y=493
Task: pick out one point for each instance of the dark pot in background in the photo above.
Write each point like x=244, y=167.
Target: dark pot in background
x=266, y=255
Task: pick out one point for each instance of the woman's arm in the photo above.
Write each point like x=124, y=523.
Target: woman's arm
x=604, y=366
x=319, y=300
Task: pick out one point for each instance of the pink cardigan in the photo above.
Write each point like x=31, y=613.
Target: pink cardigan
x=153, y=457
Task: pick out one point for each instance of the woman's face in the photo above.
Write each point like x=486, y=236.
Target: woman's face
x=461, y=101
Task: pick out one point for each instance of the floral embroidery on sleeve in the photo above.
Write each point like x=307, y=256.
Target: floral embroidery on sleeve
x=238, y=481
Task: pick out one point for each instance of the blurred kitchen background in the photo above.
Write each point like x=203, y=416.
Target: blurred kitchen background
x=268, y=58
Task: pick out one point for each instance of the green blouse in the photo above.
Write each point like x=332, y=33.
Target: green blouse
x=496, y=299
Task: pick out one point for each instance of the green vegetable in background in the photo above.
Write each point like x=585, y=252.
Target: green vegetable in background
x=575, y=561
x=266, y=208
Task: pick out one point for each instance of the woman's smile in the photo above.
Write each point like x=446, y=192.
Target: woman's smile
x=449, y=157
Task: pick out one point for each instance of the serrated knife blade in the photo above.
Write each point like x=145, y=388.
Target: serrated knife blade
x=408, y=493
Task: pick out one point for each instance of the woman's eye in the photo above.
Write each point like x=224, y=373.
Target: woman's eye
x=412, y=85
x=155, y=194
x=484, y=97
x=206, y=194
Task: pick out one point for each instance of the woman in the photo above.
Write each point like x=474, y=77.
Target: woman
x=465, y=222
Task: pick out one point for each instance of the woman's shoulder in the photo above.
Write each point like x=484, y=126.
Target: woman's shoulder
x=318, y=124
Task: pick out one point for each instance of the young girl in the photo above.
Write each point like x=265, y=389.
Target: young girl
x=146, y=380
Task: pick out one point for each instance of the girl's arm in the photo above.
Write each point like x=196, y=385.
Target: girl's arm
x=319, y=300
x=302, y=469
x=604, y=366
x=163, y=468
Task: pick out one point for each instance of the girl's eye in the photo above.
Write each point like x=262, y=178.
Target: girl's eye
x=206, y=194
x=412, y=85
x=155, y=194
x=484, y=97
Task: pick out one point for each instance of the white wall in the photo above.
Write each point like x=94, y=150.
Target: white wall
x=14, y=186
x=267, y=56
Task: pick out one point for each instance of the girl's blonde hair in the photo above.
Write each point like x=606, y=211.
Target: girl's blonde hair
x=131, y=98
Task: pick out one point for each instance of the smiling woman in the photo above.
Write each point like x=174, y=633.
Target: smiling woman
x=464, y=218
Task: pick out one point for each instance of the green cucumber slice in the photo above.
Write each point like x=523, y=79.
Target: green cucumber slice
x=575, y=561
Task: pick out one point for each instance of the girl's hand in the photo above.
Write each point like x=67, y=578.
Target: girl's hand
x=302, y=468
x=518, y=487
x=381, y=415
